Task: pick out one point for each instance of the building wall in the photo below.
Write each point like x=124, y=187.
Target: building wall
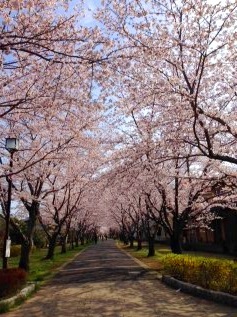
x=221, y=237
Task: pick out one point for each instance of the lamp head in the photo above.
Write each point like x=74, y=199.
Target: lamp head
x=12, y=144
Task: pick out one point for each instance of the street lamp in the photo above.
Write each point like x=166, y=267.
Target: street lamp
x=12, y=145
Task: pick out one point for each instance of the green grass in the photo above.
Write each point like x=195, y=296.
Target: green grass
x=4, y=308
x=161, y=250
x=210, y=255
x=41, y=269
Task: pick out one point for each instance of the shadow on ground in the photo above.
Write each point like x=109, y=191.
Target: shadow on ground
x=105, y=282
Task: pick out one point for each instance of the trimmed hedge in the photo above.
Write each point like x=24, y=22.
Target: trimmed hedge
x=214, y=274
x=11, y=280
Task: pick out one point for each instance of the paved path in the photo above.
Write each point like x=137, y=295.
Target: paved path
x=103, y=281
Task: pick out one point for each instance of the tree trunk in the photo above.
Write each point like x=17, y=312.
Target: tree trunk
x=131, y=243
x=151, y=246
x=64, y=244
x=82, y=240
x=175, y=238
x=27, y=241
x=72, y=239
x=175, y=244
x=51, y=248
x=77, y=241
x=139, y=244
x=124, y=238
x=24, y=262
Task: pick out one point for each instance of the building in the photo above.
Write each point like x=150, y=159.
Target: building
x=220, y=237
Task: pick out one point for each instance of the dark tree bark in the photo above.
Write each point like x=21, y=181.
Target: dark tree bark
x=175, y=243
x=82, y=240
x=64, y=244
x=139, y=244
x=27, y=239
x=24, y=262
x=131, y=242
x=77, y=241
x=151, y=246
x=52, y=246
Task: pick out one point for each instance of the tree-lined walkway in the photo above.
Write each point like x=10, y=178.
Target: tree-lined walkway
x=104, y=281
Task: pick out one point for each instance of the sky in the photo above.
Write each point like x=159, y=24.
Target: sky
x=91, y=6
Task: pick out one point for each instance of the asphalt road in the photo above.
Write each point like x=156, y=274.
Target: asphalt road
x=103, y=281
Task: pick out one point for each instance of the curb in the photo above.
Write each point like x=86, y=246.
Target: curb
x=20, y=296
x=143, y=265
x=215, y=296
x=31, y=287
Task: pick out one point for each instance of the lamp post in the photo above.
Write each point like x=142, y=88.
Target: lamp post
x=12, y=145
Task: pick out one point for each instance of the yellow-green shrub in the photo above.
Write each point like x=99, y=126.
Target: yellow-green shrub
x=15, y=250
x=215, y=274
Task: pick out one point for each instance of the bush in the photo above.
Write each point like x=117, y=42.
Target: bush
x=15, y=250
x=215, y=274
x=11, y=280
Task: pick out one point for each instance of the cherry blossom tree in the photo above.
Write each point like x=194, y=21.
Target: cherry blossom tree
x=43, y=157
x=41, y=44
x=45, y=68
x=186, y=52
x=171, y=92
x=56, y=217
x=136, y=118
